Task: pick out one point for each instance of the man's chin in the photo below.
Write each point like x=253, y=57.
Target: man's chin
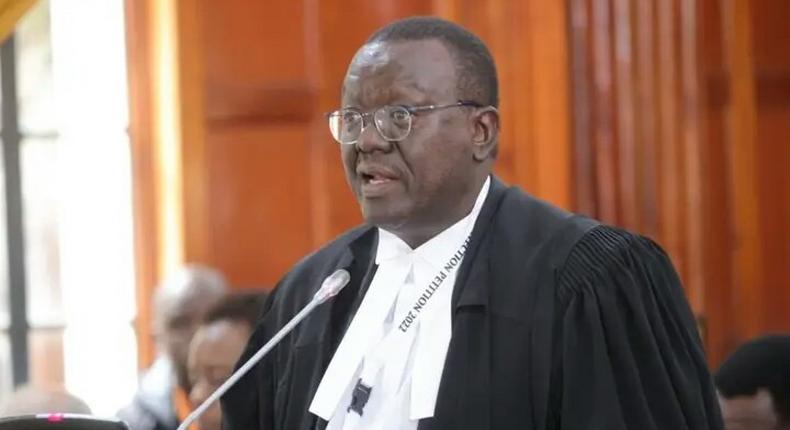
x=382, y=215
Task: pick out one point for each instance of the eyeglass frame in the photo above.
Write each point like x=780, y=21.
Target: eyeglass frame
x=411, y=110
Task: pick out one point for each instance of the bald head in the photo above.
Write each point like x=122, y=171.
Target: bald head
x=476, y=76
x=180, y=303
x=29, y=400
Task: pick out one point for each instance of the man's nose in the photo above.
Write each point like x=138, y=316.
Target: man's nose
x=370, y=139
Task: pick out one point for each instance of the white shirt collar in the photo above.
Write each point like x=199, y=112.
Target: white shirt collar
x=435, y=250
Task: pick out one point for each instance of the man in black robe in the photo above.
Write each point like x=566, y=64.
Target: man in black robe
x=558, y=322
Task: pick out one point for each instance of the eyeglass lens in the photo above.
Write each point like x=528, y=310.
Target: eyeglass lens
x=392, y=122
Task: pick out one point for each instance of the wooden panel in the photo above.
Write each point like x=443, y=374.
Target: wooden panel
x=625, y=64
x=773, y=88
x=139, y=47
x=529, y=42
x=639, y=133
x=721, y=309
x=690, y=153
x=742, y=152
x=648, y=147
x=695, y=121
x=190, y=110
x=260, y=201
x=671, y=167
x=758, y=158
x=773, y=161
x=584, y=184
x=770, y=36
x=547, y=99
x=258, y=105
x=604, y=133
x=255, y=60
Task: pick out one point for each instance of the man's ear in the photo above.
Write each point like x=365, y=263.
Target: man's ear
x=485, y=132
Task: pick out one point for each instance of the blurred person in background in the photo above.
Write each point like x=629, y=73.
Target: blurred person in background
x=754, y=385
x=180, y=304
x=217, y=346
x=31, y=399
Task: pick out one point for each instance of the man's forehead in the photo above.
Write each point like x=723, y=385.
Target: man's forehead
x=748, y=406
x=403, y=51
x=372, y=53
x=422, y=65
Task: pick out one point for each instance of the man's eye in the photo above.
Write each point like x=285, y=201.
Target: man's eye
x=350, y=117
x=399, y=115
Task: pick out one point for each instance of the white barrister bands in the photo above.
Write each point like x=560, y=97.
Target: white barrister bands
x=398, y=338
x=422, y=301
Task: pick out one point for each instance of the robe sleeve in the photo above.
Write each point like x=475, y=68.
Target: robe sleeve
x=630, y=354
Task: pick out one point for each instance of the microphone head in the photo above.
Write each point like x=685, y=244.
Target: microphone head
x=332, y=285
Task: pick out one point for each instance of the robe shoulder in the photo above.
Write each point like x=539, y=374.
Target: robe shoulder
x=630, y=353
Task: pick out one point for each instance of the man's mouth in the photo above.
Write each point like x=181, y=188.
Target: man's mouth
x=375, y=179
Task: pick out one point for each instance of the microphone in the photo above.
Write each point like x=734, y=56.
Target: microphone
x=329, y=288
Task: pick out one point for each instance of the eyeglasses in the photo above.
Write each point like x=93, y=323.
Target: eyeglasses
x=392, y=122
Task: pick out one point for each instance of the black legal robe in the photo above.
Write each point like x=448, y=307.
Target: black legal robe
x=559, y=322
